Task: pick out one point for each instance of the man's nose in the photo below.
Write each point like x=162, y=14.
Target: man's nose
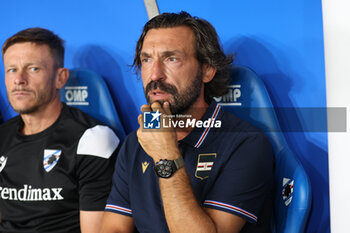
x=21, y=78
x=157, y=70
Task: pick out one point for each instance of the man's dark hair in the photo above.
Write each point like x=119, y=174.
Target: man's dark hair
x=39, y=36
x=208, y=49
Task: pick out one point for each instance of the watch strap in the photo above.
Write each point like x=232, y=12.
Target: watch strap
x=179, y=162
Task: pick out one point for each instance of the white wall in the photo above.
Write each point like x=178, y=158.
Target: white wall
x=337, y=54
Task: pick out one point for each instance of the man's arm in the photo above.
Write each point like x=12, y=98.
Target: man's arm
x=225, y=222
x=96, y=154
x=117, y=223
x=183, y=213
x=90, y=221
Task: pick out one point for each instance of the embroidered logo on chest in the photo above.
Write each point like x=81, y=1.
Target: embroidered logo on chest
x=204, y=165
x=3, y=161
x=144, y=166
x=51, y=158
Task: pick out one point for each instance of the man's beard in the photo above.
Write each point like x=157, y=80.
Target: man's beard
x=180, y=102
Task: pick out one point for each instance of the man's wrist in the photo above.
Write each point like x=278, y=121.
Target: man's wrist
x=169, y=154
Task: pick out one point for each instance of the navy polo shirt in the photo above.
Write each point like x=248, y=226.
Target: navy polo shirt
x=230, y=168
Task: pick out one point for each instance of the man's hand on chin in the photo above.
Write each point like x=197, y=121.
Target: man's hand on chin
x=158, y=143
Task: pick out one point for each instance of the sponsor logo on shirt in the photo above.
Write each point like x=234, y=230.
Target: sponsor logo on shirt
x=28, y=193
x=3, y=161
x=204, y=165
x=51, y=158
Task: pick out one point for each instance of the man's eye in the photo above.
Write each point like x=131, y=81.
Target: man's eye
x=11, y=70
x=144, y=60
x=33, y=68
x=172, y=59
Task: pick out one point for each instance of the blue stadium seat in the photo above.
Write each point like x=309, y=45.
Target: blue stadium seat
x=88, y=91
x=249, y=100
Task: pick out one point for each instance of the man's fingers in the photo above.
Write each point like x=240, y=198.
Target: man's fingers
x=156, y=106
x=138, y=134
x=145, y=108
x=166, y=107
x=140, y=119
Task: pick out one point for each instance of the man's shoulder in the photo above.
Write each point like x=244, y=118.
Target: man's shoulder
x=131, y=140
x=131, y=147
x=8, y=132
x=99, y=141
x=234, y=131
x=91, y=132
x=9, y=124
x=233, y=123
x=78, y=117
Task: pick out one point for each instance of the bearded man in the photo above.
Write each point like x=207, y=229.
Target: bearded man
x=191, y=177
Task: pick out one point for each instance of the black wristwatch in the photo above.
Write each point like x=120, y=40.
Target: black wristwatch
x=166, y=168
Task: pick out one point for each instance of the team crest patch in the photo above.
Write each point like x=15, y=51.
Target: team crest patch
x=287, y=191
x=3, y=161
x=204, y=165
x=51, y=158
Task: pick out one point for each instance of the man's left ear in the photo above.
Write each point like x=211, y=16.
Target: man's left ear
x=208, y=73
x=61, y=77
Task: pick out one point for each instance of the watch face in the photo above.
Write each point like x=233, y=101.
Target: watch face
x=164, y=168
